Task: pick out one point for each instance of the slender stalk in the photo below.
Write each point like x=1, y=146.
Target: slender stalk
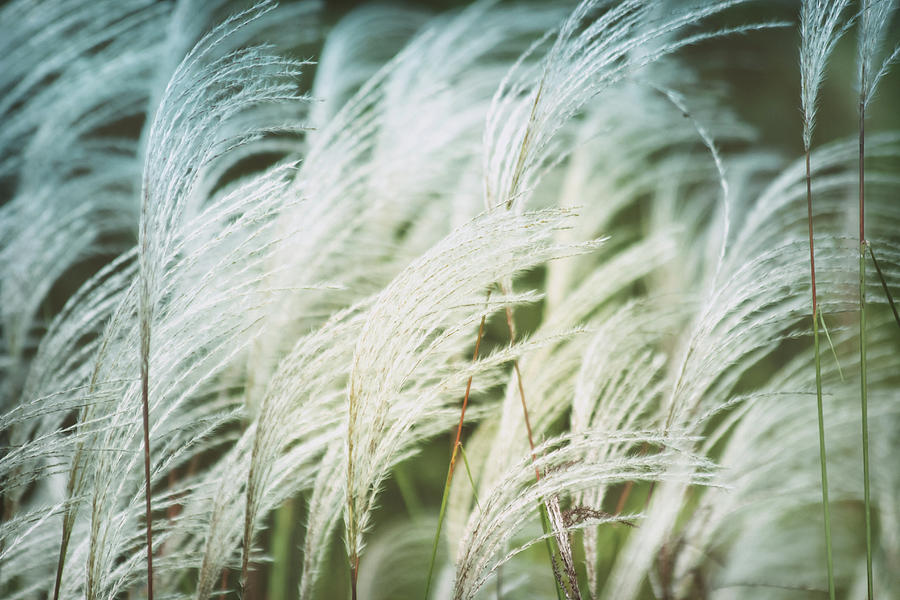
x=863, y=379
x=629, y=486
x=249, y=516
x=450, y=468
x=884, y=285
x=60, y=563
x=815, y=318
x=545, y=517
x=865, y=419
x=144, y=318
x=469, y=474
x=623, y=498
x=69, y=515
x=68, y=520
x=146, y=418
x=223, y=585
x=825, y=505
x=443, y=511
x=354, y=575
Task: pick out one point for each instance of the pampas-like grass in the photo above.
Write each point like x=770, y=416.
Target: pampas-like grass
x=246, y=252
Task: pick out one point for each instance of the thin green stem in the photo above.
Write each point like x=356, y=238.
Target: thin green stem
x=825, y=505
x=837, y=363
x=887, y=291
x=469, y=474
x=865, y=417
x=863, y=379
x=437, y=534
x=815, y=316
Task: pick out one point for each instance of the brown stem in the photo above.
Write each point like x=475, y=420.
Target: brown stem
x=629, y=486
x=626, y=491
x=649, y=494
x=456, y=447
x=562, y=588
x=354, y=573
x=224, y=584
x=512, y=339
x=144, y=316
x=465, y=403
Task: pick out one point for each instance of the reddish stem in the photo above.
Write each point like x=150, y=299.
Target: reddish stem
x=465, y=403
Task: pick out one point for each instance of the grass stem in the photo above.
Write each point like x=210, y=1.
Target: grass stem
x=68, y=521
x=815, y=316
x=884, y=285
x=469, y=474
x=450, y=468
x=863, y=378
x=552, y=551
x=145, y=406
